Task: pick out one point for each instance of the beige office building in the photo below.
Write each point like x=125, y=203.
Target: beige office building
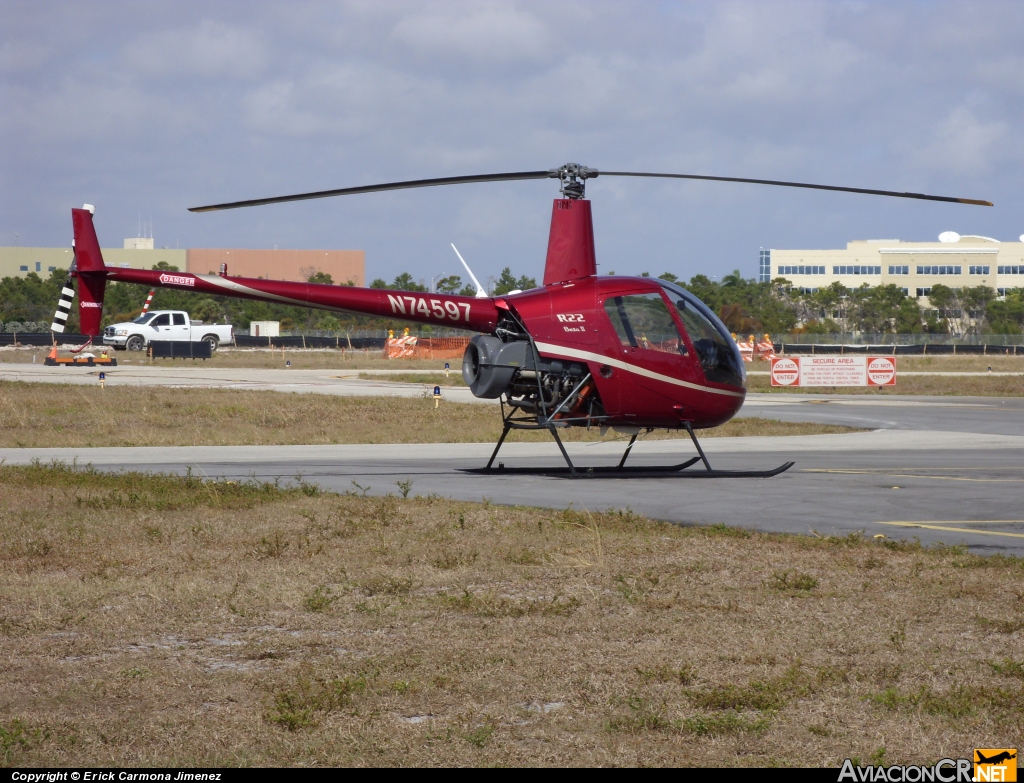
x=956, y=261
x=19, y=261
x=298, y=265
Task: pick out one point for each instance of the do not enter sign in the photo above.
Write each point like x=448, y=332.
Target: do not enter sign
x=785, y=372
x=881, y=371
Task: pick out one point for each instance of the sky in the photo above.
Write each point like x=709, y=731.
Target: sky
x=145, y=109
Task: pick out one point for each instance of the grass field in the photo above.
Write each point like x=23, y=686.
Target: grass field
x=153, y=621
x=926, y=386
x=315, y=359
x=923, y=385
x=308, y=359
x=427, y=379
x=46, y=415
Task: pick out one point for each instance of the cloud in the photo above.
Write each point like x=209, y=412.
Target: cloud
x=20, y=56
x=197, y=101
x=347, y=100
x=210, y=50
x=963, y=143
x=484, y=34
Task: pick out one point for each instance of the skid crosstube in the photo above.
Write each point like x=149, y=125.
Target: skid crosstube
x=619, y=471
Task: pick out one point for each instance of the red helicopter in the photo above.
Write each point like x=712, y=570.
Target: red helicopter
x=629, y=353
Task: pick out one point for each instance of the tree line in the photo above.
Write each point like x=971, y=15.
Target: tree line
x=452, y=284
x=31, y=301
x=779, y=307
x=745, y=305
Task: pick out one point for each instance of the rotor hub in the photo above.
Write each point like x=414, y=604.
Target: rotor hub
x=573, y=178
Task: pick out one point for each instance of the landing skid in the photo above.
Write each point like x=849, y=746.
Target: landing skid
x=620, y=470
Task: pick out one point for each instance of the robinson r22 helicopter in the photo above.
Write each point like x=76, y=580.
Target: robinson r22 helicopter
x=629, y=353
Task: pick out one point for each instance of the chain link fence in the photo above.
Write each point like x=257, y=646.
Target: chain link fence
x=861, y=338
x=12, y=327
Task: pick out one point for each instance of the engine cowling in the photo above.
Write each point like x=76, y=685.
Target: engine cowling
x=489, y=364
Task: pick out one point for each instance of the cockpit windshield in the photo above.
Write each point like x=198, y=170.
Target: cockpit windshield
x=718, y=353
x=144, y=318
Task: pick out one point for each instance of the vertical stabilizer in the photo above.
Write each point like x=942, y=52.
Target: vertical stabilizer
x=87, y=246
x=570, y=242
x=91, y=271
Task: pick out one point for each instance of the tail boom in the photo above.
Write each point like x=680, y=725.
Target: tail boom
x=462, y=312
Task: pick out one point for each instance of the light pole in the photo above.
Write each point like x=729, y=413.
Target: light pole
x=433, y=288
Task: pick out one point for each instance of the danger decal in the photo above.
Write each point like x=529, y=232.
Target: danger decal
x=177, y=280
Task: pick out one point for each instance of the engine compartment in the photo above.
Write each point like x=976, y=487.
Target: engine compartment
x=557, y=390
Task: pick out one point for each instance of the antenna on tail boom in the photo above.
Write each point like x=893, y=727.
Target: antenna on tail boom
x=480, y=292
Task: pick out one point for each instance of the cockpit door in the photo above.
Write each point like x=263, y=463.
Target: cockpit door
x=659, y=372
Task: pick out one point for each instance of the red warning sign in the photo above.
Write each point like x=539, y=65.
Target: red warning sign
x=785, y=371
x=881, y=370
x=835, y=371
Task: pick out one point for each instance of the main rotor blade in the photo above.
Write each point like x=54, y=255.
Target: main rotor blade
x=414, y=183
x=868, y=191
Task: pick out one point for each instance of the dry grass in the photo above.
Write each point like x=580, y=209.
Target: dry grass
x=47, y=415
x=922, y=385
x=264, y=358
x=324, y=358
x=158, y=621
x=927, y=385
x=967, y=363
x=424, y=379
x=328, y=359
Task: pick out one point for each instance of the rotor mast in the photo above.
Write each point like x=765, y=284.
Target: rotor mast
x=571, y=253
x=573, y=178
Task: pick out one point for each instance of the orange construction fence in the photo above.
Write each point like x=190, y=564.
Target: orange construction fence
x=765, y=349
x=425, y=347
x=751, y=348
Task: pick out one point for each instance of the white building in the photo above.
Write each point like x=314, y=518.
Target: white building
x=956, y=261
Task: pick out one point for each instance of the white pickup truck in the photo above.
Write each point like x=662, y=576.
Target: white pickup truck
x=165, y=325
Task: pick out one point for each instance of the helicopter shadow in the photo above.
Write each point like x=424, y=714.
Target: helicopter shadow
x=620, y=472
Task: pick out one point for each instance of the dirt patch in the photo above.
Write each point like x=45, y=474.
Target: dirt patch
x=167, y=621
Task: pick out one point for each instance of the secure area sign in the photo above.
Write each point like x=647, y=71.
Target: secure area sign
x=834, y=371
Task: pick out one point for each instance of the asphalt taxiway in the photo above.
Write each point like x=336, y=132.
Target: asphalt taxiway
x=947, y=469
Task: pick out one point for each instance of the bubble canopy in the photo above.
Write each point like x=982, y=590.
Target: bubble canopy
x=719, y=355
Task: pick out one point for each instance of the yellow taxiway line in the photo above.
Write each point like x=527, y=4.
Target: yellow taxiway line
x=945, y=526
x=909, y=475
